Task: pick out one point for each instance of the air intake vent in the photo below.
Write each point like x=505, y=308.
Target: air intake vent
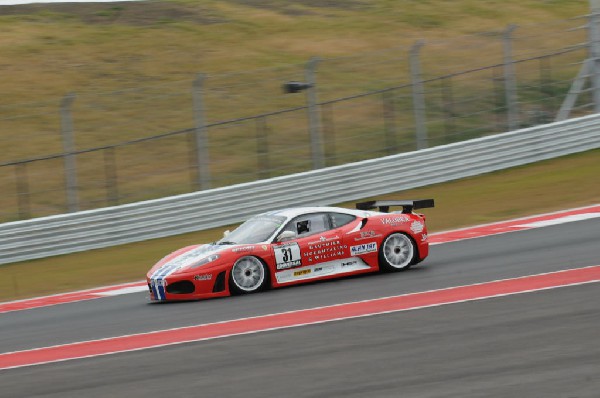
x=182, y=287
x=219, y=283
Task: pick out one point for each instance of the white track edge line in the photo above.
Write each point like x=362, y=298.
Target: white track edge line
x=297, y=325
x=304, y=309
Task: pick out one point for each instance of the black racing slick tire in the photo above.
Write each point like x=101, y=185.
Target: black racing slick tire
x=248, y=275
x=397, y=252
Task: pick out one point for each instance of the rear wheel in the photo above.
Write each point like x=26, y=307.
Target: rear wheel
x=248, y=275
x=398, y=251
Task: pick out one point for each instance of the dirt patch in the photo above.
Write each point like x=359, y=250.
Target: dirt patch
x=127, y=13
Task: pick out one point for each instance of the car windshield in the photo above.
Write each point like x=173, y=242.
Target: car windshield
x=255, y=230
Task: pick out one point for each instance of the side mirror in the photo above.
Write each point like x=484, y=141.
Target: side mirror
x=227, y=232
x=286, y=235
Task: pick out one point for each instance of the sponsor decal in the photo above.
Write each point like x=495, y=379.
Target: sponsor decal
x=339, y=266
x=349, y=263
x=160, y=282
x=326, y=253
x=323, y=257
x=302, y=272
x=324, y=242
x=417, y=227
x=265, y=247
x=206, y=277
x=364, y=248
x=325, y=249
x=367, y=235
x=395, y=220
x=423, y=237
x=243, y=249
x=287, y=256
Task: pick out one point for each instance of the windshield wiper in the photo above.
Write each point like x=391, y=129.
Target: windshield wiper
x=226, y=242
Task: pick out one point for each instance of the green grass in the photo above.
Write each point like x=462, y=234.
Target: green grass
x=551, y=185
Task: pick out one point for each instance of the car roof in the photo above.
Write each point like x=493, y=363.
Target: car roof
x=292, y=212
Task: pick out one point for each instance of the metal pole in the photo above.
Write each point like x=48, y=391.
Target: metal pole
x=594, y=51
x=203, y=161
x=575, y=90
x=192, y=160
x=448, y=101
x=111, y=178
x=329, y=133
x=389, y=122
x=510, y=81
x=498, y=90
x=418, y=95
x=314, y=120
x=262, y=148
x=22, y=191
x=68, y=149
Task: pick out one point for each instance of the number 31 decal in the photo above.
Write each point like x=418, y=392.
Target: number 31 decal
x=287, y=256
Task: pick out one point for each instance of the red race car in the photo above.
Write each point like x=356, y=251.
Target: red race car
x=291, y=246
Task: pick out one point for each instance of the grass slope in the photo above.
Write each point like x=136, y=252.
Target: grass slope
x=551, y=185
x=115, y=56
x=132, y=64
x=49, y=50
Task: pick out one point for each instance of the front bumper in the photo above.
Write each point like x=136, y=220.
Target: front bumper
x=188, y=286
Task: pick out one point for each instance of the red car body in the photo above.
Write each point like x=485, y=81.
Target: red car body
x=292, y=246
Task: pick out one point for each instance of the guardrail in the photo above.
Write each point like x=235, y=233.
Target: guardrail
x=85, y=230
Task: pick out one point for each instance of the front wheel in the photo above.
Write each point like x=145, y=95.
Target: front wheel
x=398, y=251
x=248, y=275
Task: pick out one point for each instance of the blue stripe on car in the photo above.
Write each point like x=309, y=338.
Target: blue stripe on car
x=161, y=292
x=154, y=291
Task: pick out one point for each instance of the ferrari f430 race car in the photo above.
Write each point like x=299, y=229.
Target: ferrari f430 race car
x=295, y=245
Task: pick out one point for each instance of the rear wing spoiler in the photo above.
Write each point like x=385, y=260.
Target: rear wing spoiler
x=384, y=205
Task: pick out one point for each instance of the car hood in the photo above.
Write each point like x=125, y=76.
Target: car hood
x=189, y=256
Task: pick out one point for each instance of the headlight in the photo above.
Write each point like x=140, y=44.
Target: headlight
x=206, y=260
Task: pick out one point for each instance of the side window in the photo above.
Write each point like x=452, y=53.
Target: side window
x=340, y=219
x=308, y=224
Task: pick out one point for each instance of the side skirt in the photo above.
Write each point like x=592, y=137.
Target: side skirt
x=335, y=267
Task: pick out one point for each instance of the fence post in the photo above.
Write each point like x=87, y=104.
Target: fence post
x=389, y=122
x=448, y=105
x=22, y=182
x=498, y=90
x=314, y=125
x=201, y=135
x=68, y=149
x=262, y=148
x=111, y=177
x=329, y=133
x=576, y=89
x=594, y=51
x=510, y=81
x=418, y=95
x=550, y=102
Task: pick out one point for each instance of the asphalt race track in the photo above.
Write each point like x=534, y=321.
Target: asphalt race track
x=538, y=344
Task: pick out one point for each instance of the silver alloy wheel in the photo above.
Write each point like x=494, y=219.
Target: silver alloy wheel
x=248, y=274
x=398, y=250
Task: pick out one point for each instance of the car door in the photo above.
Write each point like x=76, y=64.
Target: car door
x=315, y=243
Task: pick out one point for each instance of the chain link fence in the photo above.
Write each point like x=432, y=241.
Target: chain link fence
x=94, y=150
